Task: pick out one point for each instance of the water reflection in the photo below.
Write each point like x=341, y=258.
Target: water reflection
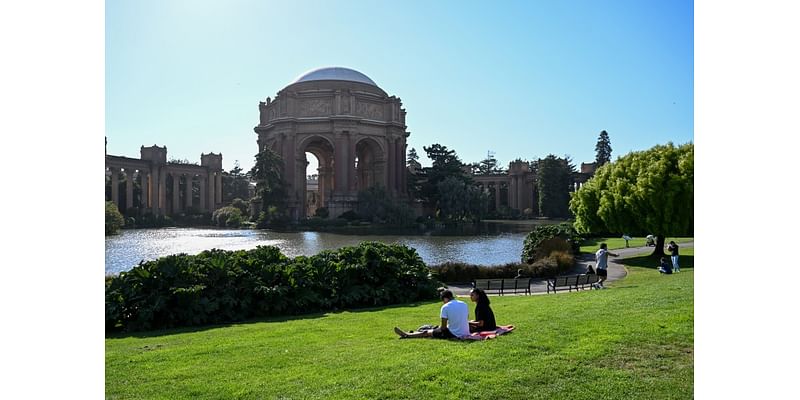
x=132, y=246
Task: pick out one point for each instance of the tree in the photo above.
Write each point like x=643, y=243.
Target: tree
x=554, y=184
x=461, y=201
x=235, y=184
x=412, y=157
x=488, y=165
x=270, y=186
x=114, y=219
x=645, y=192
x=376, y=205
x=414, y=174
x=445, y=163
x=602, y=149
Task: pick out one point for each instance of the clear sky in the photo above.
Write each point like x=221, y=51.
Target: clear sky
x=522, y=79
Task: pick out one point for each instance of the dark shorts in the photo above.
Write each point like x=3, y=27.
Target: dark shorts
x=602, y=272
x=442, y=333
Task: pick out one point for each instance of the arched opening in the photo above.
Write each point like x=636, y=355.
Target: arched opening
x=318, y=176
x=370, y=165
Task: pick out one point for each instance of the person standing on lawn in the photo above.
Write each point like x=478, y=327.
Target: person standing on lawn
x=602, y=264
x=455, y=321
x=673, y=251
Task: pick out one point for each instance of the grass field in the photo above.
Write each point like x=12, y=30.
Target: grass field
x=634, y=340
x=591, y=245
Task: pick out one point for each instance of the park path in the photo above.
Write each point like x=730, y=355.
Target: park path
x=616, y=271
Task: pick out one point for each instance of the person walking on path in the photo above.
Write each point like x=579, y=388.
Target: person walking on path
x=601, y=257
x=673, y=251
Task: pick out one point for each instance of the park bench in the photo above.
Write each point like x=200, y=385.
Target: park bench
x=502, y=286
x=571, y=282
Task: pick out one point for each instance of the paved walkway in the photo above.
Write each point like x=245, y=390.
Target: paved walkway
x=616, y=271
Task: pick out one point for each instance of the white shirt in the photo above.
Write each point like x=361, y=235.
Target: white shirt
x=457, y=314
x=602, y=258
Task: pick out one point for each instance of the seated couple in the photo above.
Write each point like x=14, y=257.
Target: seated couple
x=455, y=315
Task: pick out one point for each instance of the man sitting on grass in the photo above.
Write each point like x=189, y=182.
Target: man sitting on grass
x=455, y=321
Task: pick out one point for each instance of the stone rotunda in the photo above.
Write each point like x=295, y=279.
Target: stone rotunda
x=356, y=131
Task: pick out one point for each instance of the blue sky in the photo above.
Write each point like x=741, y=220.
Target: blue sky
x=522, y=79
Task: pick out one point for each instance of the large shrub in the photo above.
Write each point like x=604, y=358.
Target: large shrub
x=547, y=267
x=114, y=219
x=227, y=216
x=546, y=239
x=218, y=286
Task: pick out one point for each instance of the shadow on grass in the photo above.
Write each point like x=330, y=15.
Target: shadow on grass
x=282, y=318
x=653, y=262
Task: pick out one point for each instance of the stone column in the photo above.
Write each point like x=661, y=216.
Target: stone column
x=404, y=174
x=188, y=192
x=203, y=194
x=218, y=186
x=340, y=164
x=154, y=187
x=115, y=186
x=211, y=191
x=162, y=191
x=351, y=162
x=147, y=190
x=399, y=166
x=176, y=193
x=290, y=158
x=129, y=188
x=512, y=190
x=391, y=147
x=496, y=196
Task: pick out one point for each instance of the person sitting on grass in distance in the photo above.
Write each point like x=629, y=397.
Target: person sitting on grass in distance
x=590, y=270
x=484, y=317
x=665, y=268
x=455, y=324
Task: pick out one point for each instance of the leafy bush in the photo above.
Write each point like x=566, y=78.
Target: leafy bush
x=545, y=239
x=547, y=267
x=242, y=205
x=350, y=215
x=321, y=212
x=227, y=216
x=114, y=219
x=218, y=286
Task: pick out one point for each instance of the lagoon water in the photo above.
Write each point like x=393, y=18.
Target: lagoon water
x=126, y=250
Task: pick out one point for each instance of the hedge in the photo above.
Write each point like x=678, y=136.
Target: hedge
x=219, y=286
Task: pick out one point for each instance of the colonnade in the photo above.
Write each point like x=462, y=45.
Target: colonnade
x=153, y=184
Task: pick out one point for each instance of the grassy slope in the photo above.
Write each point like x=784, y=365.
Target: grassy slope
x=634, y=340
x=591, y=245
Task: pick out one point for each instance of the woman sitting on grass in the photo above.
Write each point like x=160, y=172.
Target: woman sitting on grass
x=484, y=317
x=665, y=267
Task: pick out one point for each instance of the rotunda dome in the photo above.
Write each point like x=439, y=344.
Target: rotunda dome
x=334, y=74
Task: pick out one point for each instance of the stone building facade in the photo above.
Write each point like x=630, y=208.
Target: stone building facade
x=354, y=128
x=165, y=188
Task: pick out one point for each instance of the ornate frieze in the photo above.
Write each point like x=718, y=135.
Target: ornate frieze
x=369, y=110
x=315, y=107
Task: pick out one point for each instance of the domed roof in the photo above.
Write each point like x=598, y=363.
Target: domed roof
x=334, y=74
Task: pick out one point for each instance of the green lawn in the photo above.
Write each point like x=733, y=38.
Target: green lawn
x=633, y=340
x=592, y=244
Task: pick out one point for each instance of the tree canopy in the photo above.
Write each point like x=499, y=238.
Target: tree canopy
x=602, y=149
x=270, y=186
x=553, y=185
x=645, y=192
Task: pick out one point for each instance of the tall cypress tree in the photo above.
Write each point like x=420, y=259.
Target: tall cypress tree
x=603, y=149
